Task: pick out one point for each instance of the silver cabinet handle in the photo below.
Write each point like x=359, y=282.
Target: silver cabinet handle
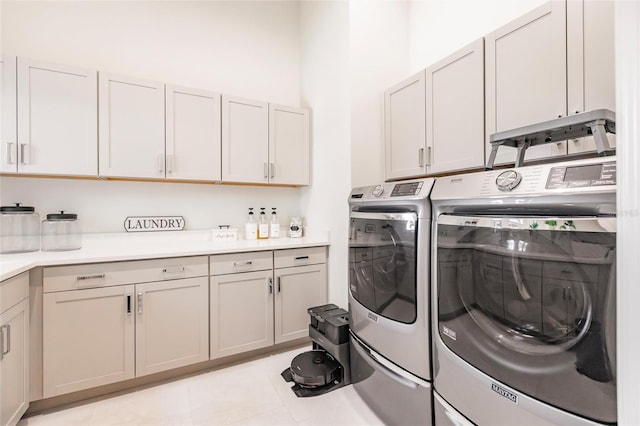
x=170, y=163
x=272, y=168
x=90, y=277
x=161, y=163
x=139, y=303
x=421, y=157
x=3, y=352
x=278, y=284
x=24, y=154
x=174, y=270
x=128, y=303
x=266, y=170
x=270, y=280
x=10, y=152
x=245, y=263
x=428, y=162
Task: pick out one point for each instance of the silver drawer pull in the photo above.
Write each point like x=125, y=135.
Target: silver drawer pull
x=139, y=303
x=90, y=277
x=301, y=258
x=173, y=270
x=245, y=263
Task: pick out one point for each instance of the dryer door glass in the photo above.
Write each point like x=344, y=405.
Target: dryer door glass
x=531, y=302
x=382, y=263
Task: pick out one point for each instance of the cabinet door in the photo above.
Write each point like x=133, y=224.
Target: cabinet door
x=405, y=122
x=526, y=79
x=131, y=127
x=288, y=145
x=455, y=111
x=245, y=140
x=57, y=119
x=8, y=123
x=297, y=289
x=88, y=338
x=590, y=63
x=14, y=363
x=241, y=311
x=193, y=134
x=172, y=324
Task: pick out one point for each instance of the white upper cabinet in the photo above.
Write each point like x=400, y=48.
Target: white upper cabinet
x=8, y=117
x=455, y=111
x=405, y=122
x=245, y=140
x=288, y=145
x=526, y=80
x=590, y=62
x=192, y=134
x=132, y=130
x=56, y=120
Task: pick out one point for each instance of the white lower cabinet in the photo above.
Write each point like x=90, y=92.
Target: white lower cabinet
x=255, y=306
x=112, y=332
x=14, y=349
x=241, y=312
x=297, y=289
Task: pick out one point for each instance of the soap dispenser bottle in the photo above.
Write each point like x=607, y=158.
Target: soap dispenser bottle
x=251, y=227
x=274, y=226
x=263, y=226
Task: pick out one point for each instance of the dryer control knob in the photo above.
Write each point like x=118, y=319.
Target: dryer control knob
x=378, y=190
x=506, y=181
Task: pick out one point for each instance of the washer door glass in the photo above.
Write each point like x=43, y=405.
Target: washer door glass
x=382, y=263
x=530, y=299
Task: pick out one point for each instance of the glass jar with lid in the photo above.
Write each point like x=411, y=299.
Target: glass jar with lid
x=61, y=231
x=19, y=229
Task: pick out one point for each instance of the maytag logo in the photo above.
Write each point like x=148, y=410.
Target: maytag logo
x=503, y=392
x=448, y=332
x=372, y=317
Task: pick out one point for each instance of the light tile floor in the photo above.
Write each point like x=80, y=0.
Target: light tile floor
x=251, y=393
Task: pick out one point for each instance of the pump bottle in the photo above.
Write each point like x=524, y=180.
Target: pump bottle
x=274, y=226
x=251, y=227
x=263, y=226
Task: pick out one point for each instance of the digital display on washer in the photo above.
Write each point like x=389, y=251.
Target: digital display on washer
x=591, y=172
x=582, y=176
x=405, y=189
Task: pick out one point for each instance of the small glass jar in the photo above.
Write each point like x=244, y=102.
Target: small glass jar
x=60, y=232
x=19, y=229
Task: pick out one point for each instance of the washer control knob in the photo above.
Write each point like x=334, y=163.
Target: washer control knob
x=378, y=190
x=506, y=181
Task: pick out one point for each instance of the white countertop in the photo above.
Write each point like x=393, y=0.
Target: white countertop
x=136, y=246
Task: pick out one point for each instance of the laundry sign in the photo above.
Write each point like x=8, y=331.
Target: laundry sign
x=153, y=223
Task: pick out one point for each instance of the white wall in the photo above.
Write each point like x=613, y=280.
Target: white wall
x=378, y=58
x=249, y=49
x=440, y=27
x=245, y=48
x=628, y=134
x=325, y=85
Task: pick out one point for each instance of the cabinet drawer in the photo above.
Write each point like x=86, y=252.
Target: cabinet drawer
x=297, y=257
x=570, y=271
x=60, y=278
x=241, y=262
x=13, y=290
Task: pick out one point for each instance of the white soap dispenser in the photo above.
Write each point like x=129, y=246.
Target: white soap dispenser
x=263, y=226
x=251, y=227
x=274, y=226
